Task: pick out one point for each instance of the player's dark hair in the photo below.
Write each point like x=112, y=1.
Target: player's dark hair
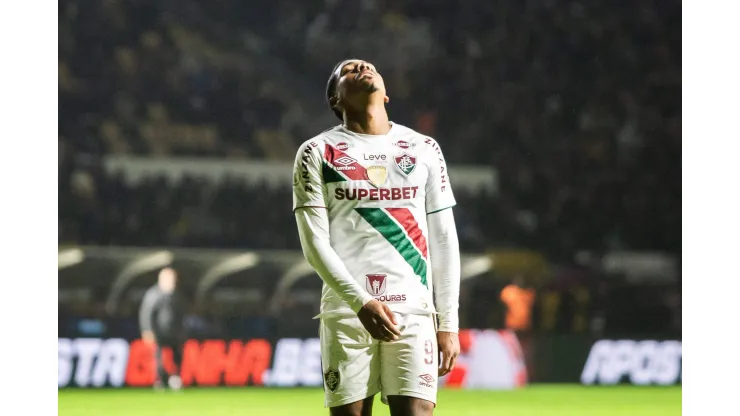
x=331, y=89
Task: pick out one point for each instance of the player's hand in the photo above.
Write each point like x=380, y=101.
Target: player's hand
x=148, y=337
x=449, y=348
x=379, y=321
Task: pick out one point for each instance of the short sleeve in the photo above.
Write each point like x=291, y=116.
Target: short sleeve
x=308, y=184
x=438, y=190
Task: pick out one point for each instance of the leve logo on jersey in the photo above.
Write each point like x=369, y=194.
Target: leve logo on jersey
x=375, y=284
x=406, y=163
x=377, y=175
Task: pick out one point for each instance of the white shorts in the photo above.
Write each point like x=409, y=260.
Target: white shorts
x=356, y=366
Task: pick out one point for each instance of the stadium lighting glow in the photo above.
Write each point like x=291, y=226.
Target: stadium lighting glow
x=70, y=257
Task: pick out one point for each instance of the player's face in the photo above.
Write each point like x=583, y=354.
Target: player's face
x=167, y=280
x=359, y=79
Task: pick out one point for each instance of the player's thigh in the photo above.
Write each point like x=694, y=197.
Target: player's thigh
x=349, y=361
x=361, y=408
x=410, y=406
x=409, y=365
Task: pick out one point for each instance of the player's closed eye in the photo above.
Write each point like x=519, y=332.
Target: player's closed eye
x=356, y=68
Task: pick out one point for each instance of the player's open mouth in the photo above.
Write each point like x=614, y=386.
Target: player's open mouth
x=364, y=74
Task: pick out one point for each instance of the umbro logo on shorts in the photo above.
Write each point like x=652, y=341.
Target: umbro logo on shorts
x=428, y=379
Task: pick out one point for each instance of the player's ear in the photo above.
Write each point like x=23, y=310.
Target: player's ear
x=334, y=102
x=386, y=99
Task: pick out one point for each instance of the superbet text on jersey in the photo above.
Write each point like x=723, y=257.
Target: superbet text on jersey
x=378, y=191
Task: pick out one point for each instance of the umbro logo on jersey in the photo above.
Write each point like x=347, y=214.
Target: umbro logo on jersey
x=344, y=162
x=405, y=163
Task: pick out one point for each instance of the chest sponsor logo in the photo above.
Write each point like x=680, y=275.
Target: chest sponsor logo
x=403, y=144
x=342, y=146
x=405, y=163
x=377, y=175
x=375, y=284
x=376, y=194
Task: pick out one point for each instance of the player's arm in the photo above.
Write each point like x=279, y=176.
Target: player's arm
x=309, y=206
x=445, y=259
x=313, y=229
x=444, y=251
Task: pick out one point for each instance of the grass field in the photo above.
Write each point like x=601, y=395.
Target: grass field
x=540, y=400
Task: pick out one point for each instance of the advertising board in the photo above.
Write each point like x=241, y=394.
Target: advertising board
x=489, y=360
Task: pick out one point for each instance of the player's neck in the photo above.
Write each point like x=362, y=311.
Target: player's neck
x=372, y=120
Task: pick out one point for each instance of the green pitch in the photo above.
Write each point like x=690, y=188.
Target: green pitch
x=539, y=400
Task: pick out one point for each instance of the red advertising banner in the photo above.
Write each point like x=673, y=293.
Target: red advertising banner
x=489, y=359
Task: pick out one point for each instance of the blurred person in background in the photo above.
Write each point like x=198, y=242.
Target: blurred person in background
x=519, y=300
x=367, y=195
x=161, y=319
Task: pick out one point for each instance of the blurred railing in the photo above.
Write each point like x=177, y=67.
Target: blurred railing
x=250, y=281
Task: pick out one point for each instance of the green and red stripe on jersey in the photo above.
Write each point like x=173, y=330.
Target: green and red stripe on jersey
x=340, y=167
x=399, y=227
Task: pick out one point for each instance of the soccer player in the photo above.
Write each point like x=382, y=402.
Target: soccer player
x=161, y=320
x=372, y=201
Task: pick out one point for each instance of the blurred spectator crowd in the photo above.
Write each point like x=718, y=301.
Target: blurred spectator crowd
x=575, y=103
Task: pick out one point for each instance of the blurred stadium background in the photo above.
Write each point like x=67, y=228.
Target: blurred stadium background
x=561, y=123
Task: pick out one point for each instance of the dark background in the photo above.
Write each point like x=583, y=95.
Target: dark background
x=576, y=105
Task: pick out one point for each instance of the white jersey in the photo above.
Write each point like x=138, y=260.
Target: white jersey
x=378, y=191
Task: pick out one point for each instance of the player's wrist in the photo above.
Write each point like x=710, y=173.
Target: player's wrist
x=448, y=323
x=361, y=301
x=450, y=329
